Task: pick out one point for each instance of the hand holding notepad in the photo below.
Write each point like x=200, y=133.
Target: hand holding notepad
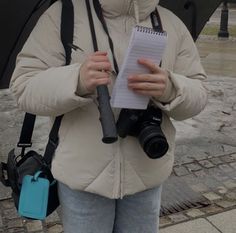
x=144, y=43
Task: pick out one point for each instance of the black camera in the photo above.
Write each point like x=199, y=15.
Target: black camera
x=146, y=126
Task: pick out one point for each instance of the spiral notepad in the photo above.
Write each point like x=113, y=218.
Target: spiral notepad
x=144, y=43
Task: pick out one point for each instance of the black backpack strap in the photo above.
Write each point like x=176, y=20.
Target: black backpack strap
x=53, y=140
x=67, y=27
x=27, y=131
x=67, y=33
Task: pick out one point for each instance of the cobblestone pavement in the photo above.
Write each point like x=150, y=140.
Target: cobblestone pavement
x=205, y=152
x=214, y=178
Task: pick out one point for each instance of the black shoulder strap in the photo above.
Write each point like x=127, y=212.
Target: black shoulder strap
x=67, y=33
x=156, y=21
x=67, y=27
x=98, y=10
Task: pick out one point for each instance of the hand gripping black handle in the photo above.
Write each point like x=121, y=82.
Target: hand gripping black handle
x=106, y=115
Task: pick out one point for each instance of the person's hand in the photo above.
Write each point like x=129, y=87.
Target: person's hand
x=152, y=84
x=93, y=72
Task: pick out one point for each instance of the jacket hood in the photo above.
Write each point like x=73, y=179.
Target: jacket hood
x=140, y=9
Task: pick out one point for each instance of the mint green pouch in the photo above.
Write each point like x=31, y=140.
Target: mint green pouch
x=33, y=200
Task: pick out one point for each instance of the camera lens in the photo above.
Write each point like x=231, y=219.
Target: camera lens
x=153, y=142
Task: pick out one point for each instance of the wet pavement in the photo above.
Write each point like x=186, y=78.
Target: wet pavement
x=205, y=151
x=218, y=55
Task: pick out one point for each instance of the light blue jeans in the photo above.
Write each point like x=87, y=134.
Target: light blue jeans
x=84, y=212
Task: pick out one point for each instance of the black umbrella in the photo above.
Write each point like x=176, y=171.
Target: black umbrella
x=17, y=18
x=194, y=13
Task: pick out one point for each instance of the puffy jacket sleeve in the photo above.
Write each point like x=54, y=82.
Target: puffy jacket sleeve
x=190, y=96
x=41, y=83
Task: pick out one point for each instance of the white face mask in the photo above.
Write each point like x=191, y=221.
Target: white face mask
x=113, y=8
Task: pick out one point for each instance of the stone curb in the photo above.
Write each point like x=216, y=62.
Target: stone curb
x=215, y=38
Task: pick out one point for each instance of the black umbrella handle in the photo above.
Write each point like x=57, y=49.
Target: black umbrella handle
x=106, y=115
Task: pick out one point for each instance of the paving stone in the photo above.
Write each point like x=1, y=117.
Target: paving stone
x=181, y=171
x=230, y=184
x=200, y=174
x=52, y=218
x=206, y=163
x=13, y=223
x=225, y=222
x=221, y=190
x=212, y=209
x=216, y=161
x=199, y=187
x=194, y=213
x=179, y=217
x=193, y=167
x=228, y=159
x=218, y=174
x=226, y=168
x=211, y=196
x=10, y=213
x=214, y=170
x=55, y=229
x=35, y=225
x=195, y=226
x=210, y=182
x=5, y=192
x=164, y=221
x=7, y=204
x=226, y=204
x=231, y=195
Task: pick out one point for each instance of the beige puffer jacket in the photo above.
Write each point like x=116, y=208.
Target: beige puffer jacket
x=43, y=86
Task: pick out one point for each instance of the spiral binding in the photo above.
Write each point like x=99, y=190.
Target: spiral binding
x=149, y=30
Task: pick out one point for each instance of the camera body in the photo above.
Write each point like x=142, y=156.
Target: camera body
x=146, y=126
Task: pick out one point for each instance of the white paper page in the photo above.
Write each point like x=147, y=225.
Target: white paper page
x=144, y=43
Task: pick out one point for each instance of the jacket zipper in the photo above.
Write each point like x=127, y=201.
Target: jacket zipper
x=118, y=186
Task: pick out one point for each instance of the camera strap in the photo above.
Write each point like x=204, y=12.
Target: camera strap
x=155, y=19
x=67, y=33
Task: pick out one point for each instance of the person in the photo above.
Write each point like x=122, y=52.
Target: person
x=105, y=188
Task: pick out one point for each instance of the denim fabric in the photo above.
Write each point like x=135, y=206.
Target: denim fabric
x=84, y=212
